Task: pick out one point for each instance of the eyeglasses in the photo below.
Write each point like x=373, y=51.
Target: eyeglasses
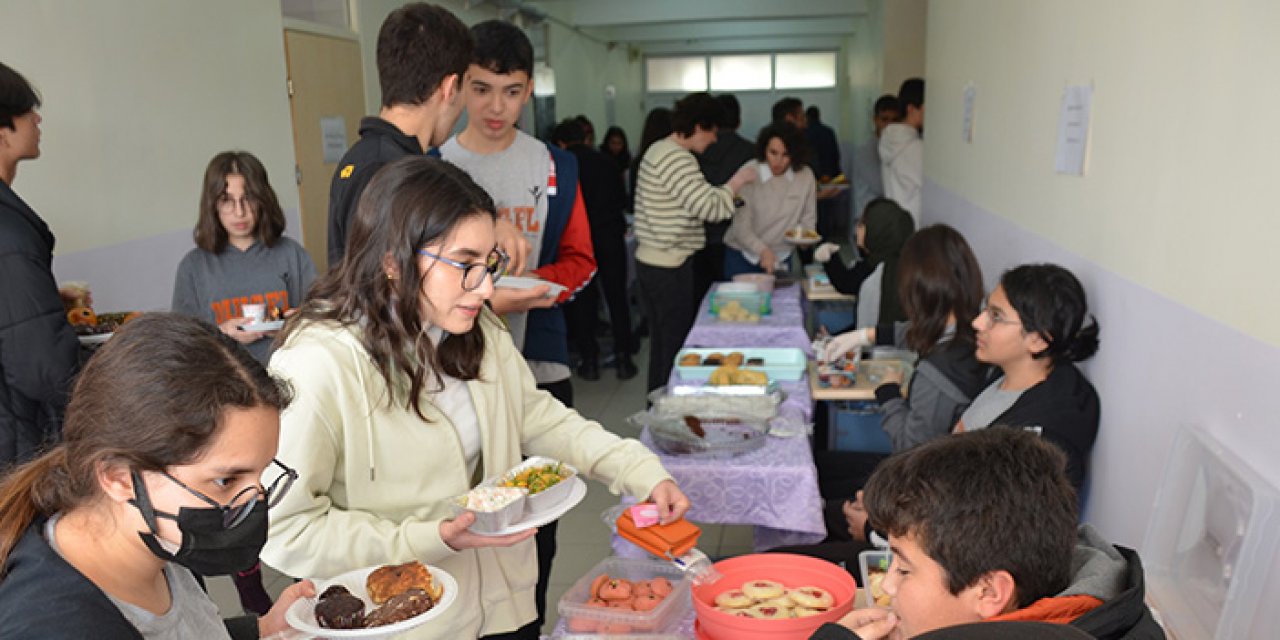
x=473, y=274
x=232, y=513
x=996, y=316
x=228, y=203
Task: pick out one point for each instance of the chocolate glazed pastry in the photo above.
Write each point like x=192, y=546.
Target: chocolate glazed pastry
x=400, y=608
x=338, y=609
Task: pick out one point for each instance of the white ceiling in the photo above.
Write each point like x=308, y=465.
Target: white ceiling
x=678, y=26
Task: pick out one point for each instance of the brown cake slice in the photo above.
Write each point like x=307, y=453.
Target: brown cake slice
x=400, y=608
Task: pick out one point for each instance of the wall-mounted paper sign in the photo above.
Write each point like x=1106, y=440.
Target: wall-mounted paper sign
x=966, y=130
x=334, y=138
x=1073, y=130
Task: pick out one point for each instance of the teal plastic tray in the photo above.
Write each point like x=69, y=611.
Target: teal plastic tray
x=787, y=365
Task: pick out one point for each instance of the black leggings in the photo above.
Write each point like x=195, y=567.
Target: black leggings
x=671, y=306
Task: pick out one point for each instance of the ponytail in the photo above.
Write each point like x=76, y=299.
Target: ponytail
x=38, y=488
x=1084, y=343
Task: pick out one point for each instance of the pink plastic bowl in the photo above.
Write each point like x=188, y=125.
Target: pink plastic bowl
x=792, y=571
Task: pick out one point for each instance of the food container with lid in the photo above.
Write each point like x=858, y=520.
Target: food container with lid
x=496, y=508
x=745, y=294
x=786, y=364
x=543, y=496
x=582, y=618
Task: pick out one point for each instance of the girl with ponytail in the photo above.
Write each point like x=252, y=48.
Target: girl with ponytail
x=1034, y=327
x=169, y=436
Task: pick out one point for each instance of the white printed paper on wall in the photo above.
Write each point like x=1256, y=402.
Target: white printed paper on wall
x=966, y=130
x=334, y=134
x=1073, y=130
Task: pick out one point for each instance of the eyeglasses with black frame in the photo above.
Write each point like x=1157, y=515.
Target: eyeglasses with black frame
x=473, y=274
x=232, y=513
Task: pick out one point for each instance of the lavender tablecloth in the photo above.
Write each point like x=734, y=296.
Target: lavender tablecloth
x=775, y=487
x=784, y=327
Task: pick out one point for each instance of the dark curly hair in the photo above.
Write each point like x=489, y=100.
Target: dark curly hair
x=792, y=138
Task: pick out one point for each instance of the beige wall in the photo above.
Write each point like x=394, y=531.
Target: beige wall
x=583, y=69
x=138, y=96
x=904, y=41
x=1179, y=195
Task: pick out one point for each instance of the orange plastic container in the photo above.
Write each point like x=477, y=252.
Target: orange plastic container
x=792, y=571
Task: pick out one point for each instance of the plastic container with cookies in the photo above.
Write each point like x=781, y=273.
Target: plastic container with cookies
x=626, y=596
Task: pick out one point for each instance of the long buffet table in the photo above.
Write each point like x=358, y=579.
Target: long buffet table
x=774, y=488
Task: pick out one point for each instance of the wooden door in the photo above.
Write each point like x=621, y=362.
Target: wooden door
x=325, y=84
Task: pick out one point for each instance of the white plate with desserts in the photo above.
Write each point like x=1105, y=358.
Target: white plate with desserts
x=302, y=615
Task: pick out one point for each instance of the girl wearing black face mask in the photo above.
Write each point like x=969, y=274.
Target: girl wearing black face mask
x=167, y=467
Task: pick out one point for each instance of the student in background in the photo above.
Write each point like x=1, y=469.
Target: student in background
x=39, y=352
x=791, y=110
x=1034, y=327
x=673, y=200
x=241, y=255
x=588, y=129
x=657, y=125
x=880, y=234
x=168, y=468
x=719, y=162
x=535, y=187
x=605, y=199
x=902, y=150
x=423, y=50
x=939, y=285
x=383, y=442
x=825, y=150
x=615, y=146
x=867, y=179
x=781, y=200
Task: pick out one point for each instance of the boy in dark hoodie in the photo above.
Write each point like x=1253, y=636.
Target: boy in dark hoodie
x=983, y=528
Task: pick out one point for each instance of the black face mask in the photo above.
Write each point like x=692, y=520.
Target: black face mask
x=208, y=547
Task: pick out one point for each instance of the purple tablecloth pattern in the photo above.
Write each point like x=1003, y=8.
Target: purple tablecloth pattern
x=775, y=487
x=784, y=327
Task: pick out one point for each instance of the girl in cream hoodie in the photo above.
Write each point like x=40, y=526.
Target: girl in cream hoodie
x=408, y=391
